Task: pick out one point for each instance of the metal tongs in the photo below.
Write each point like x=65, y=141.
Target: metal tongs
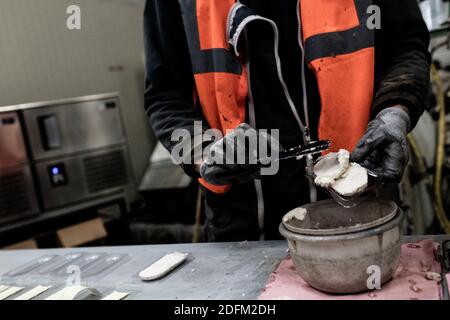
x=311, y=148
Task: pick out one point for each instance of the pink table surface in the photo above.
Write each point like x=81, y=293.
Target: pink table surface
x=409, y=282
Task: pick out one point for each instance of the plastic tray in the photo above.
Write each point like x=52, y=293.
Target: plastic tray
x=91, y=265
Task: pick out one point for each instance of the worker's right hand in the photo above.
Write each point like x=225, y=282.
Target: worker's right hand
x=232, y=160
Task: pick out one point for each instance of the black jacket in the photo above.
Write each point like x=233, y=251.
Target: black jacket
x=401, y=77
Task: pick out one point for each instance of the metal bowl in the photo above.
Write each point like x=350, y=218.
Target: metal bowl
x=336, y=250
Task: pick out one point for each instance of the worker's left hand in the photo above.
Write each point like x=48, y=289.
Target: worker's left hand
x=384, y=147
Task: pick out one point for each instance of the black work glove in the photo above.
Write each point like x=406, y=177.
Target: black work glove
x=233, y=159
x=384, y=147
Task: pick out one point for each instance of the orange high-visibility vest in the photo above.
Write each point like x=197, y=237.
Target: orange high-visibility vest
x=339, y=48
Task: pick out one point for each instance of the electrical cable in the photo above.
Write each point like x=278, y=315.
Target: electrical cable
x=440, y=152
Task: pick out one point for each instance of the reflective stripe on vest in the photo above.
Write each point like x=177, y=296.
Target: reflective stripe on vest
x=340, y=50
x=220, y=79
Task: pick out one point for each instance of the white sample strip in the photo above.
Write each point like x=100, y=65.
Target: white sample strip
x=163, y=266
x=3, y=287
x=116, y=295
x=32, y=293
x=5, y=294
x=70, y=293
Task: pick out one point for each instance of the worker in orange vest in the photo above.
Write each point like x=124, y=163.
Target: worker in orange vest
x=306, y=70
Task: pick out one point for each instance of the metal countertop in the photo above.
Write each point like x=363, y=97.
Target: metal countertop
x=213, y=270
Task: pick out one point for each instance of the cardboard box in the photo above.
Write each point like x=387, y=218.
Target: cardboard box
x=24, y=245
x=82, y=233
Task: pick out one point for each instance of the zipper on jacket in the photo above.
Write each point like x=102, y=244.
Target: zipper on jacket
x=304, y=130
x=309, y=158
x=305, y=97
x=258, y=184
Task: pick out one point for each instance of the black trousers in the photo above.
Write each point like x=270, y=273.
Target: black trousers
x=233, y=216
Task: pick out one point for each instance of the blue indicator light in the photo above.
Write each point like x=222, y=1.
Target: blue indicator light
x=55, y=171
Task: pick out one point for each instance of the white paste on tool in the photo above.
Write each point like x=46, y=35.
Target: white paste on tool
x=70, y=293
x=5, y=294
x=33, y=293
x=116, y=295
x=297, y=213
x=163, y=266
x=352, y=182
x=3, y=288
x=331, y=167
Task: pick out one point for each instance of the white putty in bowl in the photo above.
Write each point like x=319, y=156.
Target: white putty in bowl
x=297, y=213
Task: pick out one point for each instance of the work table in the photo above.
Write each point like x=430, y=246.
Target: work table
x=213, y=270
